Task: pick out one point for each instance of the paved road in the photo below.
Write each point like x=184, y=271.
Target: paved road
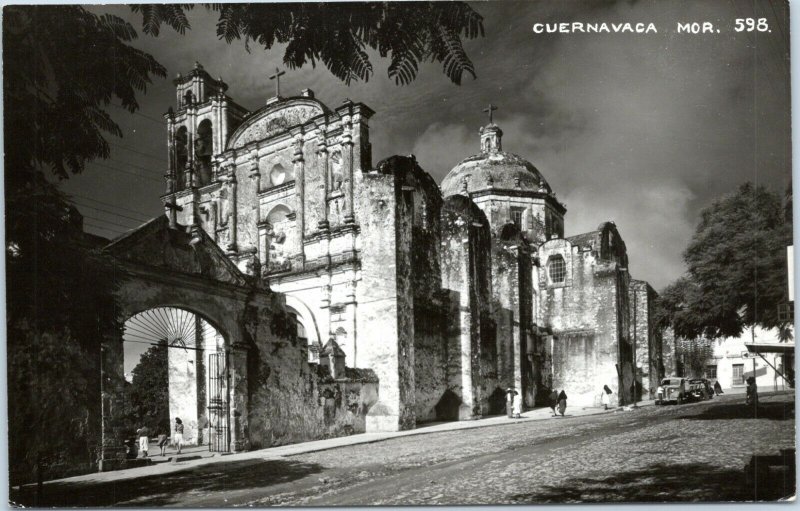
x=693, y=452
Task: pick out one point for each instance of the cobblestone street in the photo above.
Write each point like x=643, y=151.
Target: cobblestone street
x=693, y=452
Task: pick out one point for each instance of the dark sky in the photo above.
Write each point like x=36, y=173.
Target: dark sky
x=645, y=130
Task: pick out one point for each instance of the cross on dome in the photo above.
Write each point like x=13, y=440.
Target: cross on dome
x=491, y=108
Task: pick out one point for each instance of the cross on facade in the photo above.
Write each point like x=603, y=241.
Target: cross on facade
x=489, y=110
x=277, y=78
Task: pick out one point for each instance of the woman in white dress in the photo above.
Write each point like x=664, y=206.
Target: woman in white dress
x=178, y=436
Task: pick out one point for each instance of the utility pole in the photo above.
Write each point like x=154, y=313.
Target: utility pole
x=102, y=410
x=635, y=307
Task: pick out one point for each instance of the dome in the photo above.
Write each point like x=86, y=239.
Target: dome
x=493, y=168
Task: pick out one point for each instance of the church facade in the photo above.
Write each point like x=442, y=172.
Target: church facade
x=449, y=293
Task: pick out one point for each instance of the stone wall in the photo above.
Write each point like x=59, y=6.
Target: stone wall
x=383, y=346
x=512, y=295
x=429, y=301
x=294, y=401
x=466, y=278
x=649, y=357
x=587, y=316
x=184, y=385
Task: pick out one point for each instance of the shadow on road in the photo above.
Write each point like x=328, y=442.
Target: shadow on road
x=780, y=411
x=160, y=490
x=695, y=482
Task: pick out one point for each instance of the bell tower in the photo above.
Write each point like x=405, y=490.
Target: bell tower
x=196, y=133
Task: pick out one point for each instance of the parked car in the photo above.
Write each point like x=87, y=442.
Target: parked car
x=672, y=388
x=700, y=389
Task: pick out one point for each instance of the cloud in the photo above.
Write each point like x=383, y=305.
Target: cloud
x=645, y=130
x=442, y=146
x=642, y=130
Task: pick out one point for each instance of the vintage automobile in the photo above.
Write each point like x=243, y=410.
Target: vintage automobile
x=700, y=389
x=672, y=388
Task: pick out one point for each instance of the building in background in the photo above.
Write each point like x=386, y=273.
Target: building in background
x=758, y=353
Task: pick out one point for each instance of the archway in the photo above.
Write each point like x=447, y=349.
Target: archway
x=307, y=325
x=176, y=366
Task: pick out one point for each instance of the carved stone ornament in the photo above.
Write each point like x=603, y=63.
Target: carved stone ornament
x=274, y=123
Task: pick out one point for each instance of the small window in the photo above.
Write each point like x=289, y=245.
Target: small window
x=738, y=374
x=516, y=217
x=277, y=175
x=711, y=372
x=557, y=269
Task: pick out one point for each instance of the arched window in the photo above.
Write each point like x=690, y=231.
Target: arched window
x=278, y=214
x=181, y=156
x=278, y=252
x=557, y=269
x=203, y=150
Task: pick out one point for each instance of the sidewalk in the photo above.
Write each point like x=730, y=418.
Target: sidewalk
x=197, y=456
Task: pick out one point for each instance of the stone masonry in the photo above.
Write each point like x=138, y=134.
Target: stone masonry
x=445, y=295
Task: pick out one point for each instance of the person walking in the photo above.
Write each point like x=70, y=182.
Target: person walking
x=510, y=393
x=553, y=397
x=163, y=440
x=562, y=402
x=717, y=388
x=517, y=406
x=144, y=439
x=605, y=397
x=178, y=436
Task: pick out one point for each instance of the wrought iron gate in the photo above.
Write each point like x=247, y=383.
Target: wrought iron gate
x=218, y=405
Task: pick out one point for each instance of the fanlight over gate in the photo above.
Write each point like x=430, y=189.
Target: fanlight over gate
x=199, y=390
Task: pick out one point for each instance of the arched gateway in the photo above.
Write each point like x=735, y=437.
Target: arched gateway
x=195, y=353
x=270, y=392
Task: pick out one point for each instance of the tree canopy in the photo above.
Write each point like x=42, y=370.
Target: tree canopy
x=737, y=274
x=149, y=390
x=338, y=34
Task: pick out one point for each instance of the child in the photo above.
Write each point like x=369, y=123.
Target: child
x=163, y=440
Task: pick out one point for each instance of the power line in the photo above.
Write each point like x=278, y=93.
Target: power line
x=146, y=169
x=126, y=172
x=114, y=206
x=159, y=121
x=113, y=213
x=127, y=227
x=103, y=228
x=127, y=148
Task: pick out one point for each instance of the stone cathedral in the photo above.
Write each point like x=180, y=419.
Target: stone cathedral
x=447, y=293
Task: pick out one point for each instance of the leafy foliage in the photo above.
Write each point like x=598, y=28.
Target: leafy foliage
x=339, y=34
x=62, y=66
x=736, y=269
x=149, y=390
x=695, y=355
